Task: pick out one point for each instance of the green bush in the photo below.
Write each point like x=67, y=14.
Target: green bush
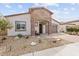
x=76, y=30
x=20, y=35
x=70, y=29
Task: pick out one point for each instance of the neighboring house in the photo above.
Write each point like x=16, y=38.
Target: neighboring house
x=68, y=24
x=37, y=20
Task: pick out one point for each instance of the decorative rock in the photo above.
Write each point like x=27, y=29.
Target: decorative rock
x=2, y=49
x=33, y=43
x=38, y=37
x=58, y=39
x=16, y=37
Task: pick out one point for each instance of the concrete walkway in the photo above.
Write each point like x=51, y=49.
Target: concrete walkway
x=66, y=50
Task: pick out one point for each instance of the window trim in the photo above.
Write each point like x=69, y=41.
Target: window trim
x=18, y=29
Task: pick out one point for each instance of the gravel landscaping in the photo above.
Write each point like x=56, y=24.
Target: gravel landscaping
x=12, y=46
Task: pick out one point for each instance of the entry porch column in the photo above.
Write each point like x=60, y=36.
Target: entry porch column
x=49, y=28
x=32, y=27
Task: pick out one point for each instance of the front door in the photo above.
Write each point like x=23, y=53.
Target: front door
x=40, y=28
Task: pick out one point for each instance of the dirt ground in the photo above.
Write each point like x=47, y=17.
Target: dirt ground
x=16, y=47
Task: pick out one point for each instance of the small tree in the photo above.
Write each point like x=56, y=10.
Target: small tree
x=4, y=24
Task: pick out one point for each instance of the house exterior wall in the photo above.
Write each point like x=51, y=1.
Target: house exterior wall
x=41, y=15
x=71, y=24
x=24, y=17
x=37, y=26
x=56, y=23
x=62, y=28
x=76, y=23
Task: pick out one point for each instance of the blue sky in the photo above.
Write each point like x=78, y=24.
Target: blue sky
x=62, y=11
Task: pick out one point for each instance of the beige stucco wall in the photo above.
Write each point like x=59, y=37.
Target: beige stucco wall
x=62, y=28
x=23, y=17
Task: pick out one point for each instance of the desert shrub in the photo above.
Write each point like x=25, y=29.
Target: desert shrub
x=54, y=41
x=40, y=41
x=24, y=46
x=20, y=35
x=27, y=37
x=76, y=30
x=4, y=38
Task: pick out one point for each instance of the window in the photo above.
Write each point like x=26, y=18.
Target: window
x=20, y=25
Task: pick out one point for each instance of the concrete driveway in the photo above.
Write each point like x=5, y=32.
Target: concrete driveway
x=71, y=38
x=69, y=50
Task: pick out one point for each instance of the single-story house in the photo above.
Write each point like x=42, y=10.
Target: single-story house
x=65, y=25
x=37, y=20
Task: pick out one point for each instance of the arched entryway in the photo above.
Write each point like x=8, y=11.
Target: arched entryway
x=41, y=21
x=40, y=27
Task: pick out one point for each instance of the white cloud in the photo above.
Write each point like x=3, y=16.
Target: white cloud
x=11, y=11
x=45, y=4
x=73, y=3
x=52, y=4
x=72, y=8
x=56, y=11
x=65, y=9
x=7, y=6
x=20, y=6
x=37, y=5
x=66, y=12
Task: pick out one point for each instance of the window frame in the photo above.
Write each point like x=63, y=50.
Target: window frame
x=16, y=25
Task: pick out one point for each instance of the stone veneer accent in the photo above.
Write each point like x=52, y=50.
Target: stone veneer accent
x=50, y=28
x=32, y=27
x=41, y=14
